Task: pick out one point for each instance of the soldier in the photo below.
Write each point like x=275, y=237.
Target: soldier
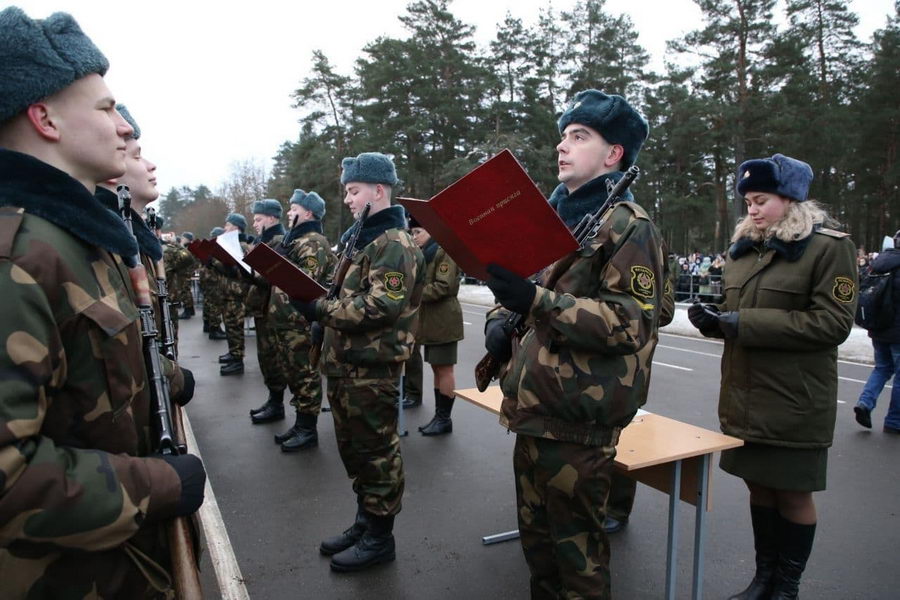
x=576, y=378
x=368, y=336
x=185, y=292
x=178, y=261
x=233, y=309
x=440, y=328
x=83, y=501
x=269, y=231
x=211, y=288
x=306, y=247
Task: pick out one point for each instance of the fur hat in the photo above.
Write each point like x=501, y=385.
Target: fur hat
x=123, y=110
x=39, y=57
x=216, y=232
x=612, y=117
x=413, y=222
x=237, y=220
x=268, y=207
x=310, y=201
x=780, y=175
x=188, y=236
x=369, y=167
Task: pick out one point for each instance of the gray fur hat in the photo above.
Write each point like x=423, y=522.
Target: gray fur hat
x=268, y=206
x=369, y=167
x=237, y=220
x=39, y=57
x=310, y=201
x=188, y=236
x=780, y=175
x=216, y=232
x=123, y=110
x=612, y=117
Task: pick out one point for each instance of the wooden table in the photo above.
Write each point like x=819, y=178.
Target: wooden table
x=660, y=452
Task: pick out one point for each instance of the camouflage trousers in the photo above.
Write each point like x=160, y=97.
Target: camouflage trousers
x=305, y=383
x=233, y=317
x=621, y=497
x=185, y=292
x=212, y=301
x=365, y=425
x=561, y=491
x=412, y=378
x=268, y=355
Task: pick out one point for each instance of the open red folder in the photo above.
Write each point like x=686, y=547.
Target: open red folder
x=495, y=214
x=206, y=249
x=284, y=274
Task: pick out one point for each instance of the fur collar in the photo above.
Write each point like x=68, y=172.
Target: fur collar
x=298, y=232
x=266, y=236
x=790, y=251
x=430, y=250
x=571, y=208
x=789, y=237
x=147, y=240
x=391, y=217
x=45, y=191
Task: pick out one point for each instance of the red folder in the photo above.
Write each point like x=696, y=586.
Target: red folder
x=281, y=272
x=495, y=214
x=200, y=249
x=217, y=251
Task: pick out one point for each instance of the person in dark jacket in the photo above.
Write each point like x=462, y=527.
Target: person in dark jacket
x=886, y=343
x=790, y=297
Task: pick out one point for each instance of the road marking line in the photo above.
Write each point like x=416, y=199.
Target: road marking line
x=887, y=387
x=690, y=351
x=662, y=364
x=466, y=323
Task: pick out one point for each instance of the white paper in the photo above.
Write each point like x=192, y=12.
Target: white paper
x=232, y=244
x=887, y=243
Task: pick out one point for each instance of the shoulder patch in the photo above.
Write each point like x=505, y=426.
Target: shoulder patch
x=643, y=282
x=444, y=267
x=393, y=283
x=832, y=233
x=311, y=263
x=844, y=289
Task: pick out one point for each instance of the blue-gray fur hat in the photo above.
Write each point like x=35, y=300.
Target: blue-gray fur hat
x=237, y=220
x=39, y=57
x=216, y=232
x=369, y=167
x=311, y=202
x=612, y=117
x=780, y=175
x=123, y=110
x=188, y=236
x=267, y=206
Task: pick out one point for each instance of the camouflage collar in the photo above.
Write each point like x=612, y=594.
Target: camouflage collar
x=45, y=191
x=147, y=240
x=571, y=208
x=391, y=217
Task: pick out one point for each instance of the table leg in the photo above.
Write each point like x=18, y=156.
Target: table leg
x=500, y=537
x=672, y=550
x=700, y=525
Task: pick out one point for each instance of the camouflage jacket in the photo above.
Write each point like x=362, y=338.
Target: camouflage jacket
x=582, y=369
x=179, y=264
x=440, y=315
x=257, y=300
x=370, y=325
x=75, y=418
x=309, y=250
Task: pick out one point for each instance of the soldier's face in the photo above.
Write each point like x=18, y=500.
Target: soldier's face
x=584, y=155
x=298, y=213
x=263, y=222
x=91, y=132
x=359, y=194
x=140, y=175
x=766, y=209
x=420, y=236
x=228, y=226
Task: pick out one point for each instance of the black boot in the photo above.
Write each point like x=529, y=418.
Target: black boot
x=376, y=546
x=227, y=358
x=187, y=313
x=217, y=333
x=282, y=437
x=764, y=541
x=794, y=546
x=348, y=538
x=235, y=367
x=306, y=436
x=411, y=402
x=272, y=411
x=275, y=397
x=441, y=422
x=205, y=326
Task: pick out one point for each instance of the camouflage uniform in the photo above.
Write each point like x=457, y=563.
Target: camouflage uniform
x=78, y=500
x=211, y=288
x=368, y=335
x=178, y=261
x=234, y=293
x=257, y=305
x=575, y=379
x=185, y=281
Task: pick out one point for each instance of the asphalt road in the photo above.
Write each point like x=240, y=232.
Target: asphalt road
x=459, y=487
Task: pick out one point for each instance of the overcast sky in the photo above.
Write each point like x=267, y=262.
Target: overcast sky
x=209, y=82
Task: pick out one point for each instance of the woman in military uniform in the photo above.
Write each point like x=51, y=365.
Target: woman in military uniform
x=790, y=297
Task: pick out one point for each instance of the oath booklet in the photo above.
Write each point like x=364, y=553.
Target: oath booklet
x=495, y=214
x=200, y=249
x=227, y=248
x=284, y=274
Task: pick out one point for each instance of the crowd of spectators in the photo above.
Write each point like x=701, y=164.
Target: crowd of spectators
x=697, y=276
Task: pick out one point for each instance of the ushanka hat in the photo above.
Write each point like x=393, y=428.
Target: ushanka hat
x=123, y=110
x=188, y=236
x=369, y=167
x=612, y=117
x=237, y=220
x=39, y=57
x=310, y=201
x=780, y=175
x=216, y=232
x=269, y=207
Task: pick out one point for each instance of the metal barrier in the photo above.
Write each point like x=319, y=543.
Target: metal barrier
x=706, y=288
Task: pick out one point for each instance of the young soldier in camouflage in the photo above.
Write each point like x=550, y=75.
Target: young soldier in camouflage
x=211, y=288
x=306, y=247
x=234, y=292
x=185, y=282
x=178, y=266
x=82, y=501
x=576, y=378
x=368, y=335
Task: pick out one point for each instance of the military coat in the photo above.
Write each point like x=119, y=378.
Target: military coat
x=440, y=315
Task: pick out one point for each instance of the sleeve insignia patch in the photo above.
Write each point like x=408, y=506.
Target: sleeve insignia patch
x=643, y=282
x=667, y=289
x=393, y=283
x=444, y=268
x=311, y=263
x=844, y=289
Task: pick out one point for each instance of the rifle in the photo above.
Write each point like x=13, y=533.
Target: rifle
x=488, y=368
x=340, y=273
x=171, y=436
x=167, y=341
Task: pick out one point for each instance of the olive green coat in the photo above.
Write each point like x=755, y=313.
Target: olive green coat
x=440, y=315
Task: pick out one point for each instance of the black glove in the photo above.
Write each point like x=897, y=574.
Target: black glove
x=188, y=392
x=512, y=291
x=316, y=333
x=307, y=309
x=497, y=342
x=193, y=479
x=704, y=317
x=728, y=324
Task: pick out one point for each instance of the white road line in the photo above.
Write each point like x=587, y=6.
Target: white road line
x=466, y=323
x=662, y=364
x=841, y=402
x=689, y=351
x=863, y=381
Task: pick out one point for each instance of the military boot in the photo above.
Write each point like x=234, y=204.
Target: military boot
x=187, y=313
x=794, y=546
x=275, y=397
x=217, y=333
x=227, y=358
x=272, y=411
x=283, y=437
x=205, y=326
x=235, y=367
x=376, y=546
x=441, y=422
x=766, y=545
x=306, y=436
x=349, y=537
